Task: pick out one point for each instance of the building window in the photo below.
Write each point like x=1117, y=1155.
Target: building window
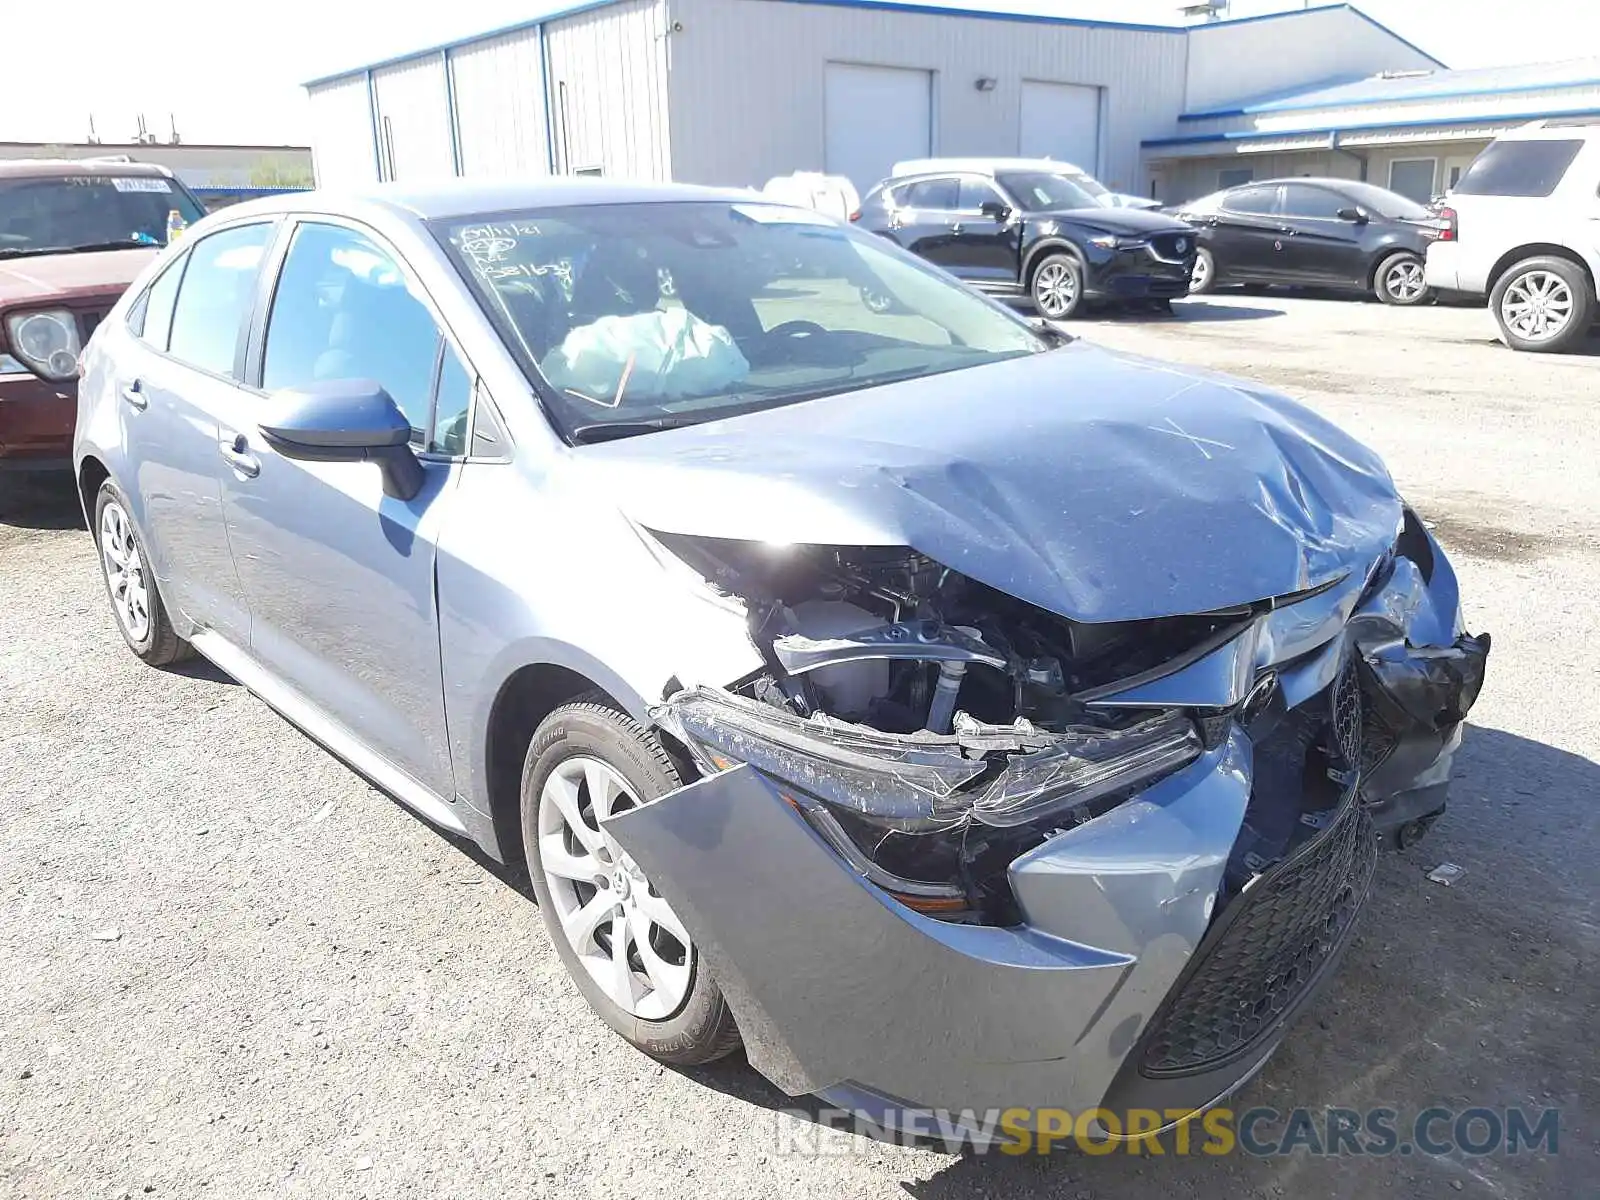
x=1232, y=177
x=1413, y=178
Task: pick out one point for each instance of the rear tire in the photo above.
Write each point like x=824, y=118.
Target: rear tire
x=1543, y=305
x=1401, y=280
x=1057, y=287
x=136, y=603
x=675, y=1013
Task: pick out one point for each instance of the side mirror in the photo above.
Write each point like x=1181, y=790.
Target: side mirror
x=997, y=209
x=346, y=420
x=1358, y=215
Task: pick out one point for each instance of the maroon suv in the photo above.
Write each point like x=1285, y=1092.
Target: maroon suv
x=73, y=235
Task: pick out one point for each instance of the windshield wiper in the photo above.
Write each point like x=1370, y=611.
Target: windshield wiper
x=610, y=431
x=35, y=251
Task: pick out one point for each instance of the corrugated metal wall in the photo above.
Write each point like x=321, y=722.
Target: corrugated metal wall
x=1233, y=61
x=500, y=105
x=414, y=119
x=341, y=121
x=608, y=88
x=747, y=82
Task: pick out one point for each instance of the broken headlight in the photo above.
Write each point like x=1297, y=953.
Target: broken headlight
x=1003, y=776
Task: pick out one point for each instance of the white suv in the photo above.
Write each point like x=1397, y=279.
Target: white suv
x=1522, y=227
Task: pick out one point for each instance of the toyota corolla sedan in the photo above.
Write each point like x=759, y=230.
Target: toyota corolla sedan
x=953, y=714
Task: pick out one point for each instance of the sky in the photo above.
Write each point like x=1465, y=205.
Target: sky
x=226, y=75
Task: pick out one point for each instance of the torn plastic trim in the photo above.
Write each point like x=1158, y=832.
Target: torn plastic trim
x=922, y=641
x=918, y=782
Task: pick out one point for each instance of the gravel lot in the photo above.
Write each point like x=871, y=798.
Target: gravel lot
x=234, y=969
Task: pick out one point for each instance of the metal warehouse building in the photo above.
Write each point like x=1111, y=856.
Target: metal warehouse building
x=737, y=91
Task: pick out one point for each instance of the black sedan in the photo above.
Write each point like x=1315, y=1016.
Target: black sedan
x=1334, y=233
x=1034, y=234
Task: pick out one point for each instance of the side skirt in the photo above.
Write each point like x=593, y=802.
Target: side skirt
x=326, y=732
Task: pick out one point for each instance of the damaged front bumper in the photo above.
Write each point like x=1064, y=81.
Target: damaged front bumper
x=1160, y=946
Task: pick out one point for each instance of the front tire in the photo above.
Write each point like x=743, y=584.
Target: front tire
x=1057, y=287
x=1543, y=305
x=131, y=584
x=1402, y=280
x=619, y=939
x=1203, y=278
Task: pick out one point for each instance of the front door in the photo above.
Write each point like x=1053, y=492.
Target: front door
x=1323, y=247
x=180, y=377
x=340, y=576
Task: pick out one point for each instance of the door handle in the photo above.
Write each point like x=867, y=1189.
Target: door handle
x=237, y=453
x=133, y=396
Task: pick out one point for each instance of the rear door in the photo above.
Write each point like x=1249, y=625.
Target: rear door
x=928, y=219
x=983, y=248
x=178, y=383
x=1247, y=233
x=340, y=577
x=1320, y=247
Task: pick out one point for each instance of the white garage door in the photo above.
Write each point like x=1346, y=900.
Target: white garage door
x=875, y=116
x=1061, y=121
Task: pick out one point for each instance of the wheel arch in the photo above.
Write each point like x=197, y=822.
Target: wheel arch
x=1043, y=250
x=92, y=473
x=528, y=695
x=1384, y=253
x=1538, y=250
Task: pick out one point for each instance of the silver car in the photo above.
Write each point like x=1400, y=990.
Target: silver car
x=955, y=714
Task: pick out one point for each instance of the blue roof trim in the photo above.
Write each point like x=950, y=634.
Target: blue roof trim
x=1248, y=135
x=1445, y=93
x=989, y=14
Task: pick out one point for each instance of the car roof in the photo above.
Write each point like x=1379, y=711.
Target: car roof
x=55, y=168
x=446, y=198
x=1583, y=129
x=983, y=166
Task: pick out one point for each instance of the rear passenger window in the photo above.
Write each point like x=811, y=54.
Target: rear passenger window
x=933, y=193
x=215, y=297
x=1531, y=168
x=154, y=318
x=1253, y=201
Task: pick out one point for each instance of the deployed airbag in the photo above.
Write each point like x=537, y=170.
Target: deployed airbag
x=664, y=354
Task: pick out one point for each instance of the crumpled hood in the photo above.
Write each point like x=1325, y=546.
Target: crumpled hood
x=1126, y=222
x=1096, y=485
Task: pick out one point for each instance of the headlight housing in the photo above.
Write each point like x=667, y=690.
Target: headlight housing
x=46, y=342
x=925, y=782
x=1110, y=241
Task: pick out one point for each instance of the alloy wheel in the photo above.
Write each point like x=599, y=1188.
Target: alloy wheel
x=1405, y=280
x=1200, y=276
x=1055, y=288
x=623, y=932
x=1537, y=307
x=125, y=572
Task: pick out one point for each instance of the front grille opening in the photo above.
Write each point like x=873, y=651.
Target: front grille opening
x=1265, y=952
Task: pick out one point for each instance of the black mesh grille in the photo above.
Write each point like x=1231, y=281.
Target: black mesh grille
x=1345, y=706
x=1265, y=951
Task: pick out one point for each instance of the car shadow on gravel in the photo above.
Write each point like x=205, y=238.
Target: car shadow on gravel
x=1476, y=994
x=39, y=500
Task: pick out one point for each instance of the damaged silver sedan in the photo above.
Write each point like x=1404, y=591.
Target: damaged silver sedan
x=952, y=714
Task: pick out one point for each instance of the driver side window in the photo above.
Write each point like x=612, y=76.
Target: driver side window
x=343, y=309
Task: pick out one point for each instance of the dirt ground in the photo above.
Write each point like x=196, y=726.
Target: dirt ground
x=233, y=969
